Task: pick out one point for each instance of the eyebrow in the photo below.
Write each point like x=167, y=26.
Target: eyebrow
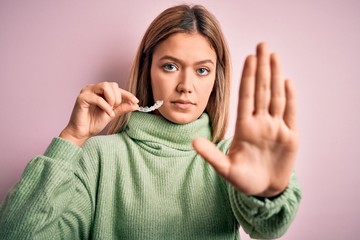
x=167, y=57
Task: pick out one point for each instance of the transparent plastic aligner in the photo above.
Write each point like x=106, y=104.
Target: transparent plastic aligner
x=157, y=104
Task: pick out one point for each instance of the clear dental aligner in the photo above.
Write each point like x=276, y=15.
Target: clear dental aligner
x=157, y=104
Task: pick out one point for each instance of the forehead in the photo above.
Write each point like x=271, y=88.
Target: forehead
x=186, y=46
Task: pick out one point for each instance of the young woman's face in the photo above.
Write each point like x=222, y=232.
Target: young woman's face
x=183, y=73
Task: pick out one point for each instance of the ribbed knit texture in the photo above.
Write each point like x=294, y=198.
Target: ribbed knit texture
x=144, y=183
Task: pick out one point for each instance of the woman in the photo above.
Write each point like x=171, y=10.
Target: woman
x=148, y=179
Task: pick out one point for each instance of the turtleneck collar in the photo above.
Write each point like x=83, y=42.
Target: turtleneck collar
x=152, y=128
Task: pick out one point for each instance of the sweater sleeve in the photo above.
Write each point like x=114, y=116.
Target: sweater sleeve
x=50, y=201
x=266, y=218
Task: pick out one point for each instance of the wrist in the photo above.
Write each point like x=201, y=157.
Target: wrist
x=69, y=136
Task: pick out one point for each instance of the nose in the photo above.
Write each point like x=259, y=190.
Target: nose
x=186, y=82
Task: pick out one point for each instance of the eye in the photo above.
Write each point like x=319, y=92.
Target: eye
x=169, y=67
x=203, y=71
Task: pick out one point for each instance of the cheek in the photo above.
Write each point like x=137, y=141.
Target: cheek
x=160, y=86
x=207, y=88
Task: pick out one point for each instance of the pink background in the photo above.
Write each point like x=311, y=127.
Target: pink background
x=50, y=50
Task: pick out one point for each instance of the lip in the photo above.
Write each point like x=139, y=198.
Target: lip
x=183, y=104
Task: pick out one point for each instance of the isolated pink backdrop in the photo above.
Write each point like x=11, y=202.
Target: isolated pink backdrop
x=50, y=50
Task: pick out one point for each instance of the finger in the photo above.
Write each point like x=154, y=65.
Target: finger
x=123, y=96
x=277, y=104
x=262, y=89
x=118, y=98
x=127, y=102
x=125, y=107
x=127, y=96
x=96, y=100
x=290, y=107
x=107, y=91
x=247, y=88
x=212, y=155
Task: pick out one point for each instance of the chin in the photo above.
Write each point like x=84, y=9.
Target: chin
x=180, y=118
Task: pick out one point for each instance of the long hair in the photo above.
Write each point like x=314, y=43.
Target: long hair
x=182, y=19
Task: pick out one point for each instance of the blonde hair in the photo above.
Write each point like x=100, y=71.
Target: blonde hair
x=182, y=19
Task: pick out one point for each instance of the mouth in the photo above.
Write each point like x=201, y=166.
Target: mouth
x=183, y=104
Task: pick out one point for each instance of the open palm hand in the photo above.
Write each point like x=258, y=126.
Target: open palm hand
x=263, y=151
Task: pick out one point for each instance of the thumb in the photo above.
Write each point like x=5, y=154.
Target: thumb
x=125, y=107
x=212, y=155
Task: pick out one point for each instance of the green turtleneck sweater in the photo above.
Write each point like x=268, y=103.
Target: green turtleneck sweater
x=146, y=182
